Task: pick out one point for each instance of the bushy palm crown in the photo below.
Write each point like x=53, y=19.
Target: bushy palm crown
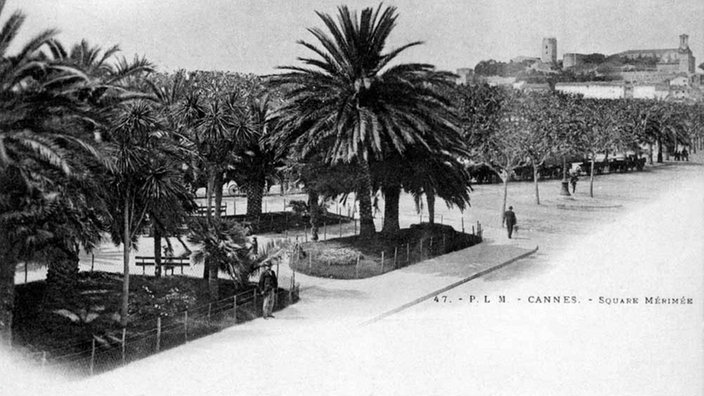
x=351, y=102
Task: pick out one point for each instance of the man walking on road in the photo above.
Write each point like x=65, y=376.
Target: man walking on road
x=509, y=220
x=268, y=286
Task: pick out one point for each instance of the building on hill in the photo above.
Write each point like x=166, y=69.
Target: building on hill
x=668, y=60
x=525, y=59
x=573, y=59
x=678, y=89
x=548, y=53
x=465, y=76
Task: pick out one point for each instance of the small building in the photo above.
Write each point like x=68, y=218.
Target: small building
x=594, y=89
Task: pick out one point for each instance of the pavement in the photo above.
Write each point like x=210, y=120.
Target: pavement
x=317, y=345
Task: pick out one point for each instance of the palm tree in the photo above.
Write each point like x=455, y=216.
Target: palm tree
x=133, y=137
x=222, y=248
x=352, y=105
x=41, y=146
x=257, y=162
x=421, y=173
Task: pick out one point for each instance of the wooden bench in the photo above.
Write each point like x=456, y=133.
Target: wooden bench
x=203, y=210
x=168, y=262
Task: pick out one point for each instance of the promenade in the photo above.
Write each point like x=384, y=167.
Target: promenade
x=640, y=235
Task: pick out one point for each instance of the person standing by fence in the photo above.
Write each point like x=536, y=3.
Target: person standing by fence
x=509, y=220
x=267, y=286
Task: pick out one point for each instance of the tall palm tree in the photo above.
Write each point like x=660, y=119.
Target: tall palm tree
x=40, y=147
x=352, y=104
x=257, y=161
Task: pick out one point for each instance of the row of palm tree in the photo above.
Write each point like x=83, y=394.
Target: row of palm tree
x=93, y=144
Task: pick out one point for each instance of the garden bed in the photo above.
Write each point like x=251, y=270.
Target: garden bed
x=279, y=222
x=164, y=313
x=355, y=258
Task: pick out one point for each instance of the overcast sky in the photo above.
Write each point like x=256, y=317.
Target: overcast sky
x=258, y=35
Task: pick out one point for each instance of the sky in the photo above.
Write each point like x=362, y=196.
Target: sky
x=256, y=36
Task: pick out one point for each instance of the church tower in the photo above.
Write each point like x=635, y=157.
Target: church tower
x=548, y=53
x=685, y=57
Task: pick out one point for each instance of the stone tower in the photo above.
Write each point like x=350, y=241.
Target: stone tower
x=684, y=41
x=548, y=53
x=684, y=55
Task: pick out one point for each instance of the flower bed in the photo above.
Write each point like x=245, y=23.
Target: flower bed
x=355, y=258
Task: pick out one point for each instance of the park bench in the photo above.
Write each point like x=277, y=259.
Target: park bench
x=168, y=262
x=203, y=210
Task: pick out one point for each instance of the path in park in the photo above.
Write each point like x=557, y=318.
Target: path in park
x=631, y=240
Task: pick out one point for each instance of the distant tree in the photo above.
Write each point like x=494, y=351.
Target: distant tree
x=598, y=120
x=494, y=131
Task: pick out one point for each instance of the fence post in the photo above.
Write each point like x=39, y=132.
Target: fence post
x=382, y=261
x=444, y=245
x=234, y=308
x=25, y=272
x=210, y=307
x=395, y=255
x=185, y=326
x=124, y=335
x=254, y=294
x=472, y=230
x=290, y=289
x=92, y=261
x=430, y=248
x=234, y=206
x=420, y=258
x=310, y=259
x=355, y=226
x=325, y=230
x=356, y=268
x=92, y=356
x=408, y=253
x=158, y=333
x=339, y=221
x=441, y=219
x=463, y=225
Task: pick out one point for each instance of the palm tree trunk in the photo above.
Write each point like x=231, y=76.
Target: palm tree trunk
x=314, y=214
x=535, y=183
x=366, y=216
x=659, y=150
x=209, y=194
x=591, y=178
x=392, y=195
x=157, y=250
x=213, y=286
x=61, y=280
x=430, y=199
x=127, y=243
x=217, y=185
x=7, y=292
x=255, y=194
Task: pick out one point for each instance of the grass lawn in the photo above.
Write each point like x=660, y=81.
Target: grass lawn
x=355, y=258
x=182, y=304
x=279, y=222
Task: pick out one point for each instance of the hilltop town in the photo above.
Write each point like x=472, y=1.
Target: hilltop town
x=666, y=73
